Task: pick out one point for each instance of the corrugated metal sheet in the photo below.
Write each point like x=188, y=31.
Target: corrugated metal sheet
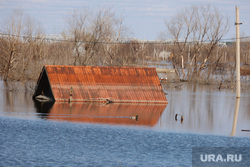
x=148, y=115
x=115, y=84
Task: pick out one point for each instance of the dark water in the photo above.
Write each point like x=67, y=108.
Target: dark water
x=109, y=135
x=43, y=143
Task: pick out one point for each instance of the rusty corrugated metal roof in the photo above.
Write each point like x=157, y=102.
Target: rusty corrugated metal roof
x=148, y=115
x=115, y=84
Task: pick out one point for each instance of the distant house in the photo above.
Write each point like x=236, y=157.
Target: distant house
x=164, y=55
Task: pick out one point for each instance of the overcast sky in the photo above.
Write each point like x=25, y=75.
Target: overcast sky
x=145, y=18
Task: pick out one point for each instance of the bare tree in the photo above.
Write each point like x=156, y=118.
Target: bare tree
x=196, y=29
x=181, y=30
x=218, y=27
x=78, y=30
x=10, y=44
x=93, y=34
x=112, y=49
x=19, y=46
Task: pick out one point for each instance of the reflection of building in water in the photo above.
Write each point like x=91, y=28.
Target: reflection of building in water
x=148, y=115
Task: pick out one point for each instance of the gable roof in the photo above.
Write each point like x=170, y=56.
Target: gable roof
x=94, y=83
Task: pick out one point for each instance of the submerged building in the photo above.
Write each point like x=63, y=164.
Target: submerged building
x=100, y=84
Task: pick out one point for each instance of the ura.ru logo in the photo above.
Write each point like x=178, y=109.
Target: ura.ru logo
x=220, y=158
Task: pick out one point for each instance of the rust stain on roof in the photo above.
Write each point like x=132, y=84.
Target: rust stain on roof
x=122, y=114
x=92, y=83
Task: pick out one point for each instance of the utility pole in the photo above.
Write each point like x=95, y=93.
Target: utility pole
x=237, y=103
x=237, y=23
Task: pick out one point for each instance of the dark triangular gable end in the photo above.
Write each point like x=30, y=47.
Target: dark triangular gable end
x=43, y=86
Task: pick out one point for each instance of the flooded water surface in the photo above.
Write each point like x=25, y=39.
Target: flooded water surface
x=92, y=134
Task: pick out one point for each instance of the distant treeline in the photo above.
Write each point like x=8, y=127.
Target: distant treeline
x=95, y=39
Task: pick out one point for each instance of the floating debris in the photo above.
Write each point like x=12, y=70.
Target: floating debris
x=179, y=117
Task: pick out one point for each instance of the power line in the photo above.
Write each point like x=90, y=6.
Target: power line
x=233, y=39
x=26, y=37
x=63, y=40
